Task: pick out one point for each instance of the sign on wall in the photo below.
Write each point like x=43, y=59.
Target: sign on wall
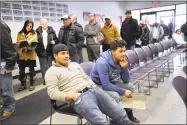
x=18, y=11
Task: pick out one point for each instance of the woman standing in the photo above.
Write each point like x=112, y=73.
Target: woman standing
x=46, y=40
x=27, y=41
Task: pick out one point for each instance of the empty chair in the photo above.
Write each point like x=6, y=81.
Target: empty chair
x=136, y=71
x=87, y=67
x=179, y=83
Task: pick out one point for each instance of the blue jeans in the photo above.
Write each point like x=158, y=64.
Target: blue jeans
x=7, y=94
x=94, y=103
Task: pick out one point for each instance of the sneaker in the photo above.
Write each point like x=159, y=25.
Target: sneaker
x=22, y=88
x=6, y=115
x=31, y=88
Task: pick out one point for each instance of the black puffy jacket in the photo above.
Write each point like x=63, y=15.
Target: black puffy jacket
x=130, y=31
x=40, y=50
x=8, y=51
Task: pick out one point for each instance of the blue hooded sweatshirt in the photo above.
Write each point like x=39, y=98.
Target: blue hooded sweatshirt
x=107, y=73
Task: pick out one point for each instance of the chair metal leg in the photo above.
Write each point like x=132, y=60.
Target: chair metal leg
x=51, y=114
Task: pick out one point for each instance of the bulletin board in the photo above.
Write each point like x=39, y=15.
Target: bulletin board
x=19, y=11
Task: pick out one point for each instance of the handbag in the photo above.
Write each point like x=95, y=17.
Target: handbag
x=99, y=38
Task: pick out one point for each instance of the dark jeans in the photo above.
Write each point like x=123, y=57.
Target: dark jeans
x=106, y=47
x=45, y=63
x=7, y=92
x=80, y=55
x=22, y=75
x=93, y=52
x=93, y=103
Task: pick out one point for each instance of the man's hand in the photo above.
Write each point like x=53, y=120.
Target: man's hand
x=123, y=64
x=128, y=94
x=7, y=71
x=76, y=96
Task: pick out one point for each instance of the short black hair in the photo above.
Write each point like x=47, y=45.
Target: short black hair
x=117, y=43
x=128, y=12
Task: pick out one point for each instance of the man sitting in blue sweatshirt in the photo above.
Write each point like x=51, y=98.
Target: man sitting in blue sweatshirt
x=111, y=72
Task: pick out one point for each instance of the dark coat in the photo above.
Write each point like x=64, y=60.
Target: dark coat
x=145, y=34
x=74, y=39
x=8, y=51
x=75, y=35
x=165, y=28
x=78, y=25
x=40, y=49
x=130, y=31
x=184, y=29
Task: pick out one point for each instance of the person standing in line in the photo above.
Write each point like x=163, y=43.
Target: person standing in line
x=171, y=28
x=27, y=41
x=74, y=21
x=46, y=40
x=72, y=36
x=110, y=32
x=165, y=28
x=145, y=33
x=9, y=55
x=130, y=30
x=91, y=30
x=184, y=30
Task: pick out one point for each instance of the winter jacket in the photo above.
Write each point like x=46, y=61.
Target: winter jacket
x=78, y=25
x=130, y=30
x=28, y=54
x=157, y=31
x=145, y=34
x=75, y=36
x=8, y=51
x=165, y=28
x=40, y=49
x=91, y=30
x=110, y=33
x=107, y=73
x=184, y=29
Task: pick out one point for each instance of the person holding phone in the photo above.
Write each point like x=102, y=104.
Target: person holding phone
x=46, y=40
x=9, y=55
x=111, y=73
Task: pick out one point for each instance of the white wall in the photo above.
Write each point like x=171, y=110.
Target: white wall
x=112, y=9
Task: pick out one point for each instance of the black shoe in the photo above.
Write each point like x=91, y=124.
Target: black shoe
x=44, y=82
x=135, y=120
x=22, y=88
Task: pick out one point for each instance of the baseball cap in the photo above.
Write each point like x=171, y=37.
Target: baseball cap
x=65, y=17
x=59, y=47
x=107, y=17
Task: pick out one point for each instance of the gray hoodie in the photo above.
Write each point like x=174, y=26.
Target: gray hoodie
x=91, y=30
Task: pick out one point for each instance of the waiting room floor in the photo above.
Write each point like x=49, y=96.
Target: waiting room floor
x=164, y=106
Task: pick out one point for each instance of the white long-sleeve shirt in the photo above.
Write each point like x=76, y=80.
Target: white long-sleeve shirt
x=178, y=38
x=45, y=35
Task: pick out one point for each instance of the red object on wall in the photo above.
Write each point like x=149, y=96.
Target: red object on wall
x=155, y=4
